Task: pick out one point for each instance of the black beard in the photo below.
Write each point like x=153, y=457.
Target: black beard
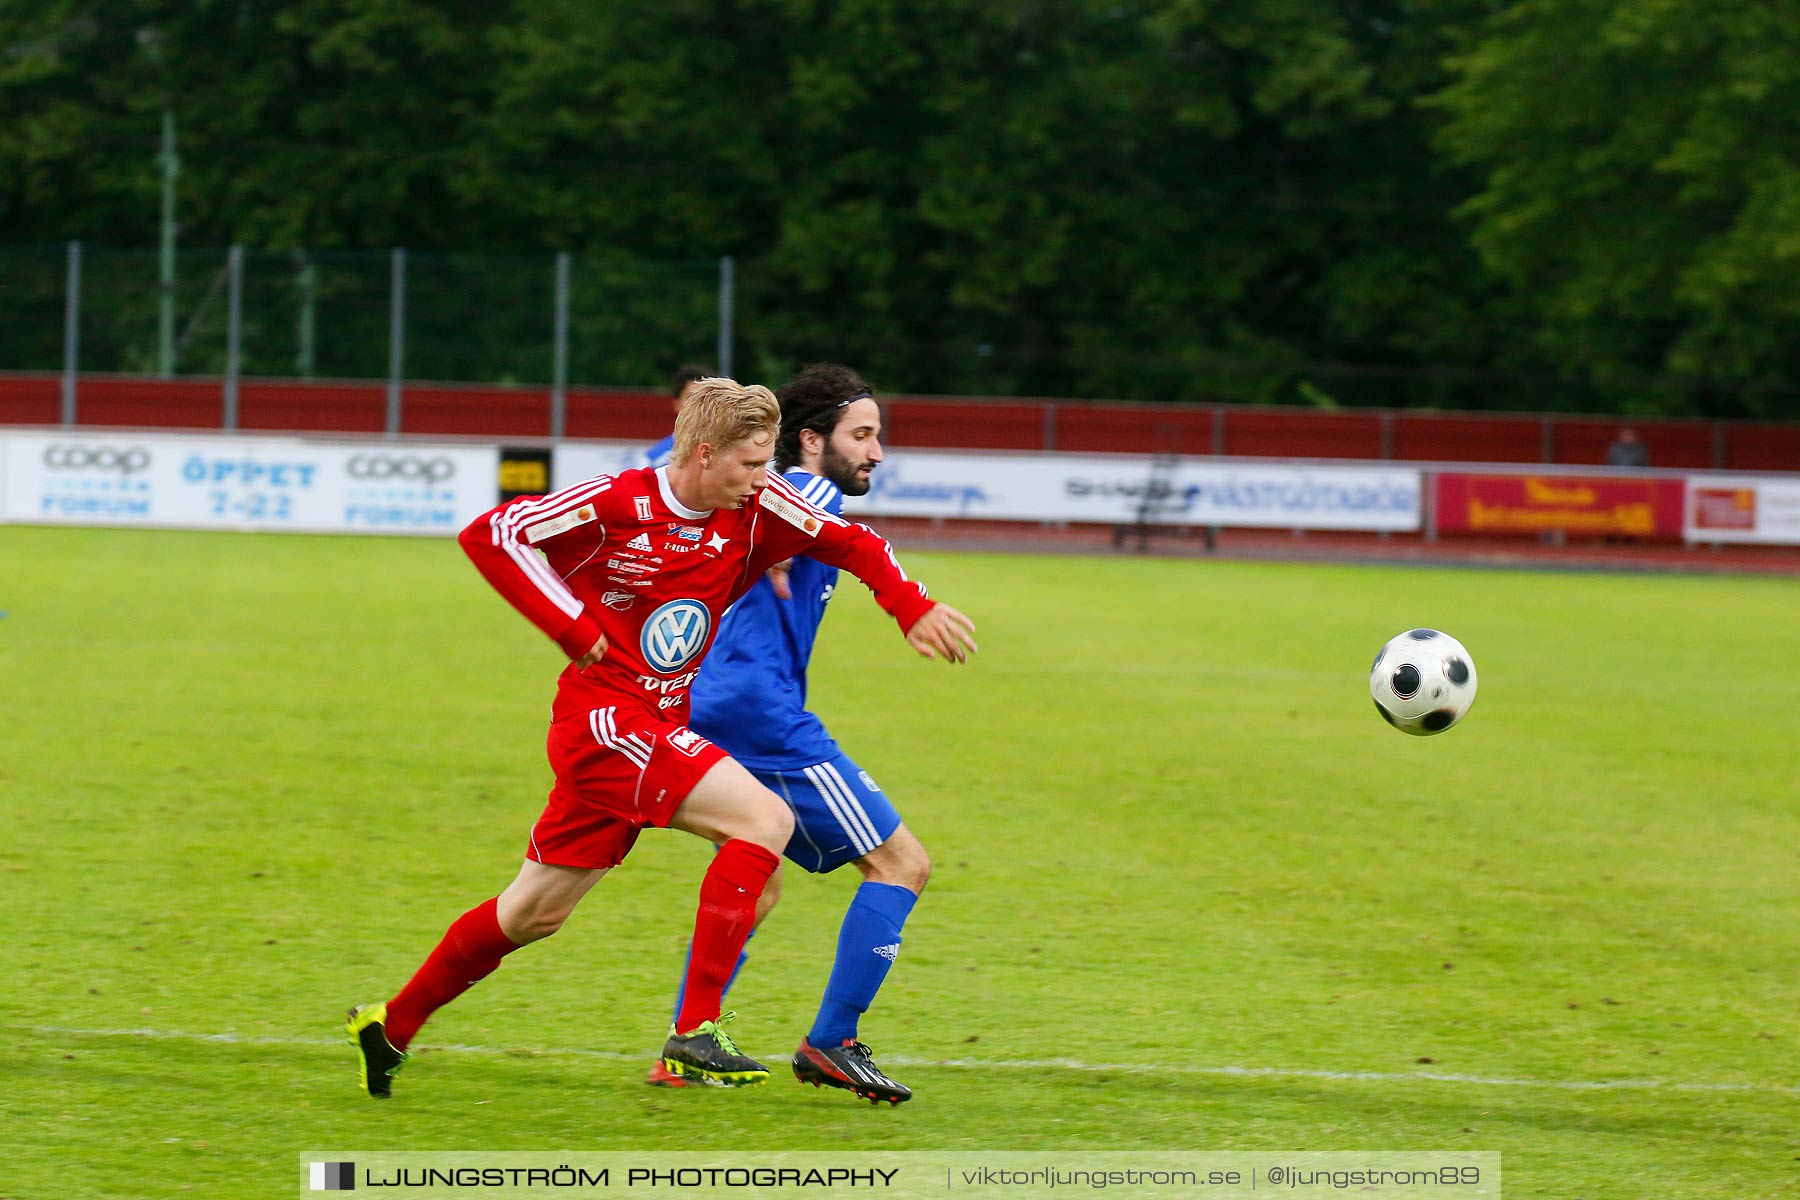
x=843, y=472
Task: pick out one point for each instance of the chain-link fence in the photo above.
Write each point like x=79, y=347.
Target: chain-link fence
x=612, y=319
x=594, y=319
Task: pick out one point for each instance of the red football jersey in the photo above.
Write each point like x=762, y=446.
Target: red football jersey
x=621, y=556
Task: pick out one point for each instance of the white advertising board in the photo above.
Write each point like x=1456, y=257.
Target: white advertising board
x=578, y=461
x=1743, y=509
x=249, y=482
x=1113, y=489
x=244, y=482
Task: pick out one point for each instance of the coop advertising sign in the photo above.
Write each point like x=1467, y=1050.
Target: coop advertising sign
x=244, y=483
x=1526, y=504
x=1727, y=509
x=1124, y=488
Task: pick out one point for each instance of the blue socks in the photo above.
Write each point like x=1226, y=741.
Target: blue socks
x=868, y=943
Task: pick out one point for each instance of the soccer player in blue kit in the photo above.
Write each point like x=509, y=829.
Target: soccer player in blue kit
x=750, y=698
x=685, y=377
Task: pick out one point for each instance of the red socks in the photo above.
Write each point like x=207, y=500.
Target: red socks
x=470, y=951
x=727, y=914
x=474, y=946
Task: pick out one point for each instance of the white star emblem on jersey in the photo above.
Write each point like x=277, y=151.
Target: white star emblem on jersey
x=716, y=542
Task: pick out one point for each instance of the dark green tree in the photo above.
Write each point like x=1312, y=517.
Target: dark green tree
x=1640, y=163
x=1150, y=199
x=1350, y=201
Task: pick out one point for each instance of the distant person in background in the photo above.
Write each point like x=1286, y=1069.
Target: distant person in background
x=1627, y=450
x=685, y=378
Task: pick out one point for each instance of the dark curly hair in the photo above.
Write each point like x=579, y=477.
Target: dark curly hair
x=689, y=373
x=814, y=399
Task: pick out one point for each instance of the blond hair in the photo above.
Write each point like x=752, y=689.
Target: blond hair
x=722, y=413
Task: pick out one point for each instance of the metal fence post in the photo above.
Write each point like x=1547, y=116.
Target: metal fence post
x=71, y=334
x=727, y=286
x=170, y=161
x=306, y=323
x=1428, y=497
x=559, y=352
x=234, y=330
x=396, y=338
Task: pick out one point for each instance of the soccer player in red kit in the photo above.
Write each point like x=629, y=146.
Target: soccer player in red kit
x=630, y=575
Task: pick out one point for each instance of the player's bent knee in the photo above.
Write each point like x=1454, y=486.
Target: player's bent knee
x=901, y=861
x=907, y=865
x=765, y=821
x=770, y=825
x=914, y=869
x=541, y=926
x=920, y=869
x=728, y=803
x=536, y=904
x=527, y=925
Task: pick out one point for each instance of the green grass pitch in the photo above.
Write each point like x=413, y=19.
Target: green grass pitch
x=1190, y=892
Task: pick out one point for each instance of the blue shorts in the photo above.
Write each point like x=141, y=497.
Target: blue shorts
x=839, y=813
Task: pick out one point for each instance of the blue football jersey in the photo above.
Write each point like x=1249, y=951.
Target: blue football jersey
x=750, y=697
x=658, y=455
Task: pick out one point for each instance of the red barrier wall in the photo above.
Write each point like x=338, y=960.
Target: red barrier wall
x=1131, y=429
x=996, y=425
x=335, y=408
x=1314, y=435
x=30, y=400
x=165, y=404
x=625, y=416
x=1433, y=438
x=1762, y=447
x=360, y=406
x=491, y=412
x=1687, y=445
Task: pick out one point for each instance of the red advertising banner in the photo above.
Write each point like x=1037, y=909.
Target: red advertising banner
x=1745, y=509
x=1582, y=506
x=1724, y=508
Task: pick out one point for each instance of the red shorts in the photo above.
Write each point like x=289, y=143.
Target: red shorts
x=617, y=770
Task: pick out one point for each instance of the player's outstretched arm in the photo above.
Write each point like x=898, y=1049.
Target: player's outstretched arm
x=943, y=633
x=503, y=545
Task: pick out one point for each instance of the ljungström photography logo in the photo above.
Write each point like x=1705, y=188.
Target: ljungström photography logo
x=333, y=1177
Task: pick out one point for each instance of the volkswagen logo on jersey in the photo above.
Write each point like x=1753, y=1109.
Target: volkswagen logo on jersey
x=675, y=634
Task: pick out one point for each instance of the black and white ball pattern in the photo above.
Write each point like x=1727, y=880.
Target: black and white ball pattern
x=1422, y=681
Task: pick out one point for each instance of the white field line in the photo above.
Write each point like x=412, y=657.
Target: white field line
x=1004, y=1064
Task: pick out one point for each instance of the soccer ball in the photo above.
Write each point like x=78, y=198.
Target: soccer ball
x=1423, y=682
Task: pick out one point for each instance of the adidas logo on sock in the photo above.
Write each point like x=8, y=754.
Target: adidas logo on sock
x=640, y=542
x=890, y=952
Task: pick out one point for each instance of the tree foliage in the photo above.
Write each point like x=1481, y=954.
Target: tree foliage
x=1641, y=161
x=1550, y=203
